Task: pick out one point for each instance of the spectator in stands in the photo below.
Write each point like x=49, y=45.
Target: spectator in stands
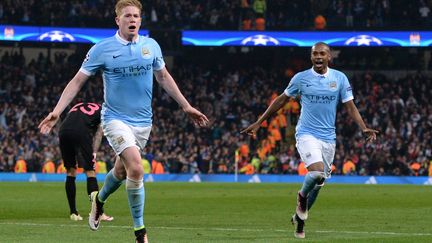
x=48, y=167
x=260, y=8
x=260, y=24
x=206, y=85
x=20, y=165
x=320, y=22
x=349, y=167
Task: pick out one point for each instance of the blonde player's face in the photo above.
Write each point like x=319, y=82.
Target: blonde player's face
x=129, y=22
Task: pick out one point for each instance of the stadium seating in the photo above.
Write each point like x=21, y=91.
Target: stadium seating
x=398, y=107
x=226, y=15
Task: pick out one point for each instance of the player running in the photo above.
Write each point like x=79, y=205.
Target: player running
x=127, y=61
x=320, y=88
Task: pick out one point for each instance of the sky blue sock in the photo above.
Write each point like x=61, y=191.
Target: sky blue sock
x=311, y=179
x=110, y=185
x=136, y=195
x=313, y=195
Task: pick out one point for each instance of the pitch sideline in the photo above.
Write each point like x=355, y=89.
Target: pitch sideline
x=224, y=229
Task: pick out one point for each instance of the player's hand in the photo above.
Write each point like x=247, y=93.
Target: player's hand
x=48, y=123
x=252, y=129
x=198, y=118
x=371, y=134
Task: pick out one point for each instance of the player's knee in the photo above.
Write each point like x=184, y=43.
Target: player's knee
x=71, y=172
x=319, y=176
x=135, y=171
x=90, y=173
x=134, y=184
x=321, y=183
x=119, y=173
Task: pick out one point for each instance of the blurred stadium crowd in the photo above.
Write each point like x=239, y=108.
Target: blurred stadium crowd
x=232, y=97
x=230, y=94
x=227, y=15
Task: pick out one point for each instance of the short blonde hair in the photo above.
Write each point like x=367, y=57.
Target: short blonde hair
x=124, y=3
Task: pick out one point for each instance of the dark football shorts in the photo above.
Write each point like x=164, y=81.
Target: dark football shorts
x=76, y=149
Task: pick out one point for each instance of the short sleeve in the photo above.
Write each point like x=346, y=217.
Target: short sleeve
x=158, y=61
x=346, y=90
x=93, y=61
x=293, y=87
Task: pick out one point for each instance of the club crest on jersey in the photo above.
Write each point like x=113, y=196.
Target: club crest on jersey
x=145, y=53
x=333, y=85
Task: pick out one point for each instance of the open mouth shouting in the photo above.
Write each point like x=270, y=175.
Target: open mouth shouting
x=319, y=63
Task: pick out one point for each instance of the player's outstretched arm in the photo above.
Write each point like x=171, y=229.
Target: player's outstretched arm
x=198, y=118
x=167, y=82
x=66, y=98
x=371, y=134
x=274, y=106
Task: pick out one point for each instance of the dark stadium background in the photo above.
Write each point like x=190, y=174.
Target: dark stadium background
x=232, y=85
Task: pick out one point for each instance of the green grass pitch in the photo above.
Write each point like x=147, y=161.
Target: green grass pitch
x=222, y=212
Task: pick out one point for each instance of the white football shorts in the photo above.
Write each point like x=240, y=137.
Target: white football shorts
x=313, y=150
x=121, y=135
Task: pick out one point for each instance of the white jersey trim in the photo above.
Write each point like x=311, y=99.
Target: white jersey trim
x=321, y=75
x=347, y=99
x=86, y=72
x=159, y=68
x=125, y=42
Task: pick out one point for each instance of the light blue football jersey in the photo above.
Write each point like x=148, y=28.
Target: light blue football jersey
x=320, y=95
x=127, y=75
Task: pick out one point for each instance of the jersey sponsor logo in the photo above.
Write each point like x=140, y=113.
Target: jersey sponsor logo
x=115, y=56
x=320, y=99
x=349, y=89
x=145, y=53
x=135, y=70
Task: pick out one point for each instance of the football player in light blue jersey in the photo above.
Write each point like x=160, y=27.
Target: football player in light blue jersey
x=128, y=62
x=320, y=90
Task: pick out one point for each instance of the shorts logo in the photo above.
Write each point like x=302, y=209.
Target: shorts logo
x=120, y=140
x=308, y=155
x=145, y=53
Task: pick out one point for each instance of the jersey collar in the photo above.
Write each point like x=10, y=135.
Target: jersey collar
x=125, y=42
x=321, y=75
